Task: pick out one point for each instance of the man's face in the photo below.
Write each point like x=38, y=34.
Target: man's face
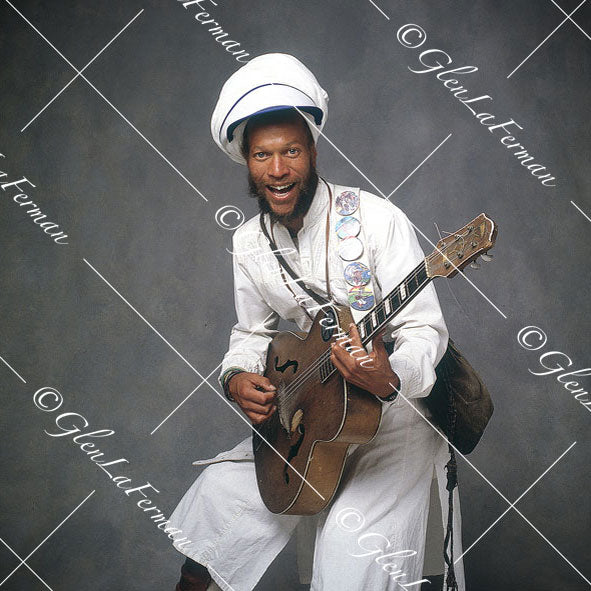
x=281, y=168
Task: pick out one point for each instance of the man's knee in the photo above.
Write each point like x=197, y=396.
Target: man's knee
x=215, y=478
x=229, y=480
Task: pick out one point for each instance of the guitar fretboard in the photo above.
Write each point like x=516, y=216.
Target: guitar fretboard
x=382, y=313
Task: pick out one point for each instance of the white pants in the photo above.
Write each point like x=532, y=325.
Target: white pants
x=370, y=537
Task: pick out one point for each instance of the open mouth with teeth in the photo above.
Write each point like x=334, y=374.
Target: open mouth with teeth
x=281, y=191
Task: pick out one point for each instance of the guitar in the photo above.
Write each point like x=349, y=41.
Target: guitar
x=300, y=450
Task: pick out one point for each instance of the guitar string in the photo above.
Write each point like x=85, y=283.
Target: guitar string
x=323, y=360
x=290, y=390
x=324, y=356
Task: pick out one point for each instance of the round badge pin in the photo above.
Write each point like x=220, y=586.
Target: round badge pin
x=350, y=248
x=357, y=274
x=361, y=298
x=348, y=226
x=347, y=202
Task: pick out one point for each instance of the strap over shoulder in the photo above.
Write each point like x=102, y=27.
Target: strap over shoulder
x=353, y=250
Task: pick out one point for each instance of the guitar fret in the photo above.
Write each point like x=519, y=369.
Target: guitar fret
x=387, y=306
x=362, y=331
x=380, y=314
x=403, y=292
x=395, y=299
x=374, y=319
x=423, y=274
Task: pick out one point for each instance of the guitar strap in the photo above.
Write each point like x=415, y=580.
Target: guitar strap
x=353, y=251
x=284, y=264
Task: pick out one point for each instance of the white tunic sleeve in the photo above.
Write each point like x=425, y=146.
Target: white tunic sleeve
x=419, y=329
x=256, y=326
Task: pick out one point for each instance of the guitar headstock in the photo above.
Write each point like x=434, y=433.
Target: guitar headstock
x=456, y=251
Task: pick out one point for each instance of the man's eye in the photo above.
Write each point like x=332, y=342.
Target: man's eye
x=259, y=155
x=293, y=151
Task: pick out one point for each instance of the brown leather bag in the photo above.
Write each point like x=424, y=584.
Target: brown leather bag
x=459, y=401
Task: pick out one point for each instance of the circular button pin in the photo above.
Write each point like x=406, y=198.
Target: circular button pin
x=357, y=274
x=347, y=202
x=361, y=298
x=348, y=226
x=350, y=248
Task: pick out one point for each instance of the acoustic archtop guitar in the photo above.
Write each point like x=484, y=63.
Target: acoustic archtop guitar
x=300, y=450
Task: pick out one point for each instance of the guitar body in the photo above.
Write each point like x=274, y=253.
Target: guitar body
x=313, y=426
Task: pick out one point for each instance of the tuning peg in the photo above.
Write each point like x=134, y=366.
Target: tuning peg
x=474, y=265
x=487, y=257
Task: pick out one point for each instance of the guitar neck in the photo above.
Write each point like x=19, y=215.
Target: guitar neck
x=397, y=299
x=450, y=256
x=384, y=312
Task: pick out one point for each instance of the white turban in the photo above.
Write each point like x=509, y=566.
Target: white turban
x=266, y=83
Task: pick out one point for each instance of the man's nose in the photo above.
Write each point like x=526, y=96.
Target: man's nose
x=277, y=167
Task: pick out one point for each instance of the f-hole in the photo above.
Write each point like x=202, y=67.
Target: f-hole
x=293, y=451
x=329, y=324
x=289, y=363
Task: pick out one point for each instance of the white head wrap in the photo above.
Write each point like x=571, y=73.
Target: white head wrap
x=266, y=83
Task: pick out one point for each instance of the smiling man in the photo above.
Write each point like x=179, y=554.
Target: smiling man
x=269, y=116
x=281, y=156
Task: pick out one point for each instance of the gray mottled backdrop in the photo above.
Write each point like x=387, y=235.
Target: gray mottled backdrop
x=129, y=317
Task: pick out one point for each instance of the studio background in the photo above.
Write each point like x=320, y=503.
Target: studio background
x=124, y=318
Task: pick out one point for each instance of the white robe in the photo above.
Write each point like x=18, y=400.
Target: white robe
x=372, y=534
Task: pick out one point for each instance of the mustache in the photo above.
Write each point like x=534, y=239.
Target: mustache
x=308, y=187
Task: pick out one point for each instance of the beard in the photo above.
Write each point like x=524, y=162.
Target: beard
x=307, y=188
